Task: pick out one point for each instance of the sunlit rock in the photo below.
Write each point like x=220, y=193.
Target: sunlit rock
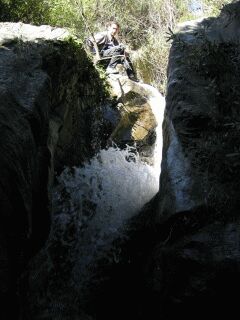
x=194, y=267
x=137, y=124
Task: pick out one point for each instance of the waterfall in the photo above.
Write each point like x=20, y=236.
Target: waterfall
x=157, y=103
x=102, y=195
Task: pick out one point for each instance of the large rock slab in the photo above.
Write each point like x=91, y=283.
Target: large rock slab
x=194, y=268
x=46, y=96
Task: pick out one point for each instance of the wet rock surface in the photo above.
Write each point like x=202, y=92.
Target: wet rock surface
x=137, y=122
x=194, y=269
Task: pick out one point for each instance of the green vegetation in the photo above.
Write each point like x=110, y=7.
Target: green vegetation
x=213, y=7
x=144, y=24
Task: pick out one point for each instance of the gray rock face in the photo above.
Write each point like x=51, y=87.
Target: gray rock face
x=20, y=31
x=46, y=94
x=194, y=269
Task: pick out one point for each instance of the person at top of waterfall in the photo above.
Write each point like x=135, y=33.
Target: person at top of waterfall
x=109, y=46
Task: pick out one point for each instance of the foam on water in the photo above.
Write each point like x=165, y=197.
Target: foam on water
x=116, y=181
x=106, y=192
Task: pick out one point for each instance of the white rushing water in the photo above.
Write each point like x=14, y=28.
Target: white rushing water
x=107, y=191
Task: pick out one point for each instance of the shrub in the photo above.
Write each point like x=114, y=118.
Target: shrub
x=145, y=24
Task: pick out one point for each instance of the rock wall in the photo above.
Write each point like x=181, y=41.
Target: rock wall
x=193, y=270
x=48, y=90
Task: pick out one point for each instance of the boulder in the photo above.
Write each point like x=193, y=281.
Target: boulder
x=193, y=270
x=48, y=90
